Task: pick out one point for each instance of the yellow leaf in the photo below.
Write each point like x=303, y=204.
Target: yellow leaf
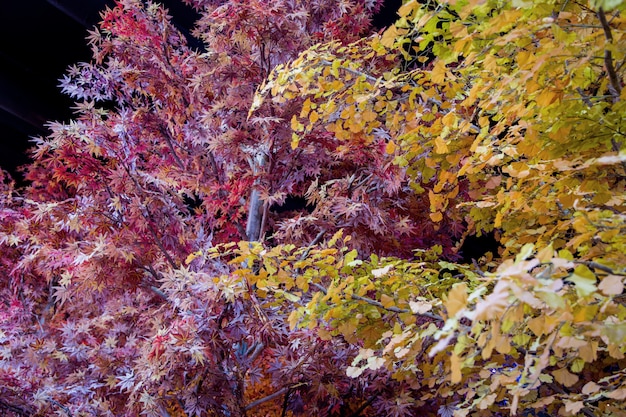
x=438, y=73
x=492, y=306
x=487, y=401
x=565, y=377
x=347, y=112
x=545, y=98
x=573, y=407
x=577, y=365
x=407, y=8
x=369, y=116
x=295, y=123
x=525, y=252
x=436, y=217
x=570, y=342
x=618, y=394
x=420, y=306
x=457, y=299
x=455, y=369
x=584, y=285
x=389, y=36
x=616, y=332
x=390, y=148
x=440, y=145
x=615, y=351
x=354, y=372
x=387, y=301
x=588, y=353
x=379, y=272
x=295, y=140
x=545, y=255
x=192, y=256
x=355, y=127
x=537, y=326
x=611, y=285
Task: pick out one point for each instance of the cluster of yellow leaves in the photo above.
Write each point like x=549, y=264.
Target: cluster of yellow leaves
x=517, y=108
x=503, y=339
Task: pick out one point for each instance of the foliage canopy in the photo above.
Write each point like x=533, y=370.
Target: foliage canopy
x=148, y=269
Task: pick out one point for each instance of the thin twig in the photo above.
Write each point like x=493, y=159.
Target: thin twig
x=314, y=242
x=158, y=292
x=257, y=349
x=585, y=98
x=363, y=406
x=157, y=241
x=351, y=71
x=380, y=305
x=169, y=139
x=61, y=406
x=604, y=268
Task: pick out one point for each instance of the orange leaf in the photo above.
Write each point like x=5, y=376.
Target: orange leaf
x=565, y=377
x=457, y=299
x=455, y=368
x=436, y=217
x=438, y=73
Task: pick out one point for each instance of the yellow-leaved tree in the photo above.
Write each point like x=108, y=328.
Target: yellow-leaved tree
x=510, y=116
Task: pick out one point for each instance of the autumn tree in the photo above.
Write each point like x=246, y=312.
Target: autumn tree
x=147, y=271
x=521, y=105
x=160, y=162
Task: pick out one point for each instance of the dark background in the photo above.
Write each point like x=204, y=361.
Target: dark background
x=39, y=39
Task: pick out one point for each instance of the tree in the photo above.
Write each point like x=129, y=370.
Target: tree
x=159, y=163
x=522, y=106
x=147, y=273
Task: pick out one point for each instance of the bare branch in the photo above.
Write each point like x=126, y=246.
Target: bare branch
x=267, y=398
x=61, y=406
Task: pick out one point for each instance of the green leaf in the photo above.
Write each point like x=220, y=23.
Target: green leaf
x=584, y=285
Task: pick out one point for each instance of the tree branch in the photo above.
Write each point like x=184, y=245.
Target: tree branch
x=169, y=139
x=61, y=406
x=158, y=242
x=351, y=71
x=600, y=267
x=615, y=88
x=363, y=406
x=314, y=242
x=14, y=408
x=266, y=398
x=379, y=305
